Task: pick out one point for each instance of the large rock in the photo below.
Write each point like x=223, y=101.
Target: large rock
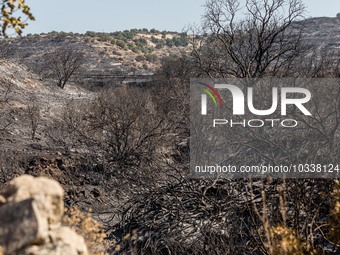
x=73, y=245
x=30, y=213
x=21, y=225
x=47, y=193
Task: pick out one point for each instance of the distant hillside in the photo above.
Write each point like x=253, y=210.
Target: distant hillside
x=138, y=51
x=321, y=32
x=124, y=152
x=128, y=51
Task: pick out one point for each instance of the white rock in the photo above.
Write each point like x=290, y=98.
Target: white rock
x=48, y=194
x=21, y=225
x=64, y=241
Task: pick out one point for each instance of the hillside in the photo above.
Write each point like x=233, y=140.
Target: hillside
x=139, y=51
x=321, y=32
x=127, y=51
x=123, y=150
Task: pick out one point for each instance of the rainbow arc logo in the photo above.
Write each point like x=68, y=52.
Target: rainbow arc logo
x=212, y=93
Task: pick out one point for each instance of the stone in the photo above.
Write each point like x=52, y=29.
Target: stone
x=63, y=241
x=47, y=193
x=30, y=219
x=74, y=242
x=21, y=225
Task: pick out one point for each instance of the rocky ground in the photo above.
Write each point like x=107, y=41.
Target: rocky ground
x=19, y=152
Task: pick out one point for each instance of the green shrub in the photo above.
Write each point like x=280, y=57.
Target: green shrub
x=90, y=33
x=128, y=34
x=121, y=44
x=160, y=45
x=154, y=31
x=169, y=43
x=140, y=58
x=154, y=40
x=151, y=58
x=141, y=41
x=103, y=38
x=135, y=50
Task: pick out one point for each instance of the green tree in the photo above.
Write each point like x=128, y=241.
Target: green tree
x=11, y=16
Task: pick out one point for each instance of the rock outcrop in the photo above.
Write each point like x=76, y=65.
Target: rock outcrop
x=30, y=214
